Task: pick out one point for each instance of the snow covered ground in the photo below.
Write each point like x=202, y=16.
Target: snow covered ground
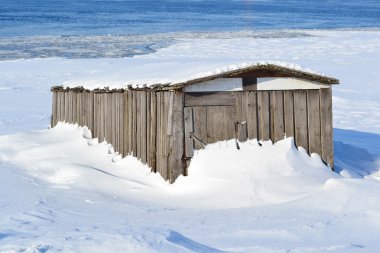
x=61, y=190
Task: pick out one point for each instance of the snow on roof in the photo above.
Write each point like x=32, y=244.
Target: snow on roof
x=153, y=73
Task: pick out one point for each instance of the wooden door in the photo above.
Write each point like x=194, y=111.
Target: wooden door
x=209, y=118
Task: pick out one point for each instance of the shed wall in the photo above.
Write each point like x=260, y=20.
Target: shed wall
x=148, y=125
x=160, y=128
x=305, y=115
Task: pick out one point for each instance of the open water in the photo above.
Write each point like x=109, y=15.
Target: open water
x=118, y=28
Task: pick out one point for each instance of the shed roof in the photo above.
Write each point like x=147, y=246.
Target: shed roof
x=177, y=75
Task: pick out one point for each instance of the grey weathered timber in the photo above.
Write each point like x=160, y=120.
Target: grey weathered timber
x=277, y=116
x=54, y=109
x=164, y=131
x=138, y=124
x=67, y=104
x=153, y=130
x=114, y=121
x=130, y=122
x=314, y=121
x=289, y=113
x=176, y=145
x=251, y=116
x=220, y=123
x=300, y=119
x=189, y=129
x=200, y=124
x=126, y=126
x=326, y=126
x=158, y=132
x=264, y=115
x=239, y=107
x=147, y=126
x=134, y=122
x=143, y=126
x=209, y=99
x=73, y=96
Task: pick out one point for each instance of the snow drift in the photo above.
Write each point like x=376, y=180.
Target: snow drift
x=67, y=156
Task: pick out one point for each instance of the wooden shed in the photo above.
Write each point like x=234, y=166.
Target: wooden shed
x=163, y=124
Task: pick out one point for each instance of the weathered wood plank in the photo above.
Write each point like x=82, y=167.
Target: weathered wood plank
x=112, y=110
x=115, y=133
x=98, y=111
x=153, y=130
x=148, y=128
x=165, y=138
x=58, y=115
x=138, y=123
x=143, y=127
x=61, y=109
x=176, y=145
x=289, y=113
x=96, y=116
x=80, y=112
x=54, y=109
x=162, y=136
x=300, y=119
x=134, y=122
x=314, y=122
x=326, y=126
x=121, y=123
x=90, y=96
x=170, y=113
x=91, y=120
x=189, y=128
x=104, y=116
x=277, y=116
x=209, y=99
x=219, y=123
x=264, y=115
x=251, y=100
x=61, y=106
x=67, y=107
x=240, y=121
x=103, y=102
x=109, y=116
x=64, y=106
x=99, y=117
x=130, y=122
x=158, y=133
x=126, y=124
x=56, y=119
x=73, y=96
x=200, y=125
x=239, y=114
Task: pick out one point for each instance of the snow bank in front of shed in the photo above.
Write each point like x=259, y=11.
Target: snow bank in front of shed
x=146, y=71
x=253, y=175
x=220, y=176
